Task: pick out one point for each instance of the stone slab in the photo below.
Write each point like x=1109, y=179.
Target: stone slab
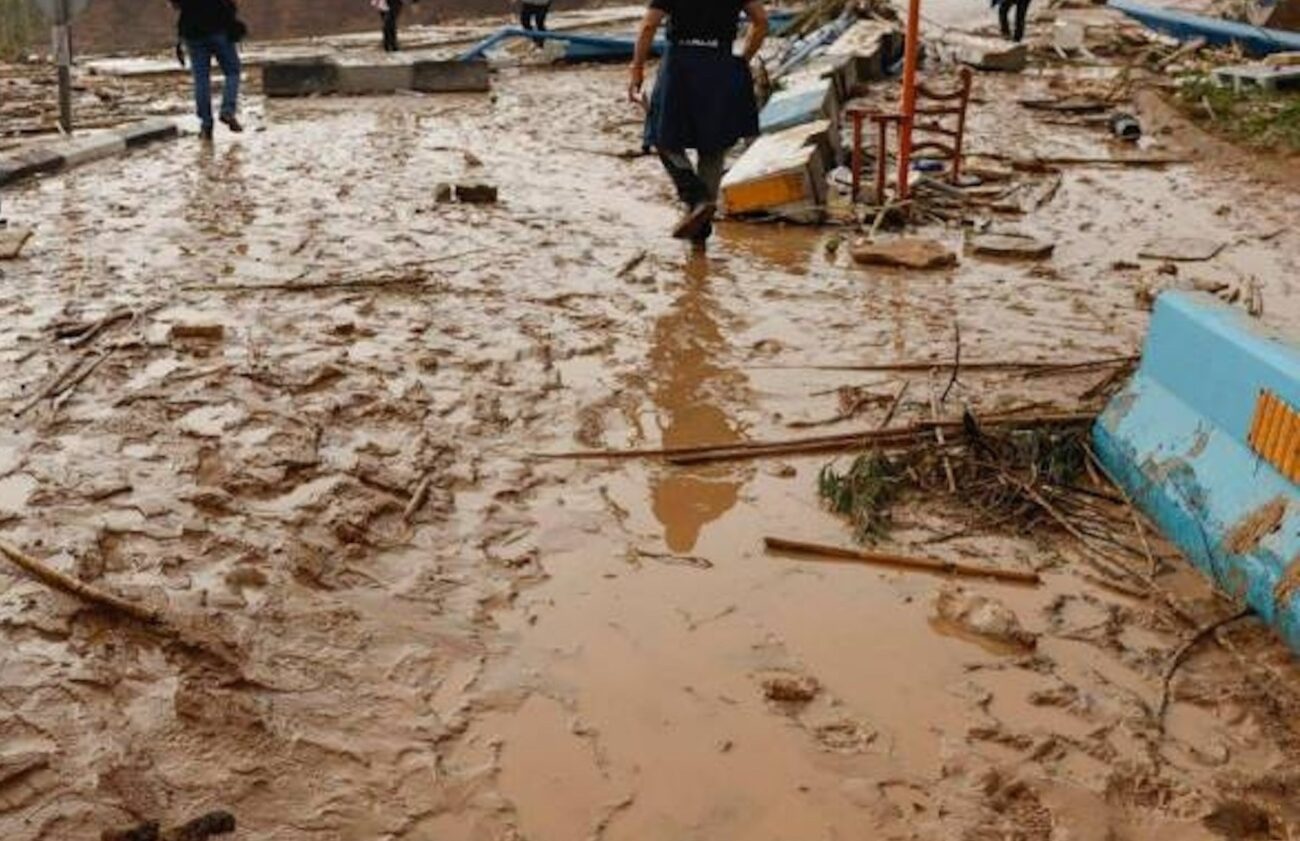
x=451, y=76
x=147, y=131
x=310, y=76
x=28, y=163
x=808, y=101
x=1012, y=247
x=905, y=253
x=982, y=53
x=77, y=151
x=360, y=79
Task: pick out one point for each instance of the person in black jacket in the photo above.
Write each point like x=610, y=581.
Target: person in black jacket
x=703, y=97
x=391, y=12
x=211, y=29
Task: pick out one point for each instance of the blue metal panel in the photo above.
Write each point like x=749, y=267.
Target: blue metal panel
x=1175, y=438
x=1216, y=31
x=580, y=46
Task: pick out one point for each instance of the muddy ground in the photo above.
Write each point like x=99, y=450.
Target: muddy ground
x=548, y=649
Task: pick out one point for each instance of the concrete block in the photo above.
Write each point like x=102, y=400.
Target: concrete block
x=29, y=163
x=78, y=151
x=147, y=131
x=981, y=53
x=300, y=77
x=360, y=79
x=782, y=174
x=1206, y=439
x=452, y=76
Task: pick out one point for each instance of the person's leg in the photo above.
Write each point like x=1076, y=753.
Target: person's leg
x=1004, y=17
x=710, y=170
x=201, y=68
x=1022, y=12
x=540, y=17
x=690, y=189
x=390, y=28
x=228, y=57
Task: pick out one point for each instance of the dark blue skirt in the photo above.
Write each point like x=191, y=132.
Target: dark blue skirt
x=703, y=99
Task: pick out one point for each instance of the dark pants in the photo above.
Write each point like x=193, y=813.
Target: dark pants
x=390, y=25
x=696, y=184
x=202, y=51
x=1004, y=18
x=533, y=17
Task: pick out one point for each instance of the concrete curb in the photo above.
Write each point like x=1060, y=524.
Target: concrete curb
x=67, y=153
x=1206, y=440
x=325, y=75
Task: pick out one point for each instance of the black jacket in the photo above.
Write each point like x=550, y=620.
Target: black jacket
x=204, y=18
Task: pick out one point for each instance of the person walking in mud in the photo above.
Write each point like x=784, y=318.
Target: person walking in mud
x=212, y=29
x=532, y=16
x=1021, y=7
x=390, y=11
x=703, y=98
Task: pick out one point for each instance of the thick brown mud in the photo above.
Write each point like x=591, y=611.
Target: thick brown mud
x=549, y=649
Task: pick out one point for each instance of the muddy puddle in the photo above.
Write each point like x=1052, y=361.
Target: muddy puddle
x=413, y=625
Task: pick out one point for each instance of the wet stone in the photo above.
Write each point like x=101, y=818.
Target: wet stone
x=1012, y=246
x=790, y=689
x=906, y=252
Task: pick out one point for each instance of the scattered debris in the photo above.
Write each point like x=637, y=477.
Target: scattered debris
x=1006, y=245
x=983, y=617
x=468, y=193
x=791, y=689
x=934, y=565
x=906, y=252
x=12, y=240
x=199, y=829
x=1182, y=249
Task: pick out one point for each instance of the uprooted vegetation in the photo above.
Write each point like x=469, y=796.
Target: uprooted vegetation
x=1261, y=119
x=1003, y=476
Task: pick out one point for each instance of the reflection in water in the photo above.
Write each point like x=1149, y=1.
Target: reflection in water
x=688, y=388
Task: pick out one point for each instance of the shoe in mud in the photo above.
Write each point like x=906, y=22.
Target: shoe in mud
x=232, y=123
x=205, y=133
x=696, y=220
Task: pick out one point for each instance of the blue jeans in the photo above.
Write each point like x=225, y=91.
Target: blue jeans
x=202, y=51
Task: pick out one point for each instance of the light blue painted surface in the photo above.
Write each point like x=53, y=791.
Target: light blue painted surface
x=787, y=109
x=1175, y=438
x=1217, y=32
x=580, y=47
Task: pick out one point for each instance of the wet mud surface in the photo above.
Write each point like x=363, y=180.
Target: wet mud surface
x=549, y=649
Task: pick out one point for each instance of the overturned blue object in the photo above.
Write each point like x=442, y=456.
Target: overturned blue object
x=1217, y=32
x=578, y=46
x=1206, y=440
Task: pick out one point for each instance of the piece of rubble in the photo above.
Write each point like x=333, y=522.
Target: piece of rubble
x=12, y=240
x=983, y=617
x=197, y=332
x=468, y=193
x=1012, y=246
x=1182, y=249
x=905, y=252
x=790, y=688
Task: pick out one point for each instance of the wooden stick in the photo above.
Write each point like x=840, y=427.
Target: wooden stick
x=997, y=365
x=54, y=385
x=418, y=498
x=66, y=584
x=901, y=435
x=939, y=437
x=778, y=544
x=893, y=407
x=1184, y=651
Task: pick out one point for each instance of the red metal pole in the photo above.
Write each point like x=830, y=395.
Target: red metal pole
x=907, y=109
